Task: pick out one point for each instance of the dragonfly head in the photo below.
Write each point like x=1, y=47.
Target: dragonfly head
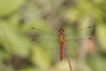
x=61, y=30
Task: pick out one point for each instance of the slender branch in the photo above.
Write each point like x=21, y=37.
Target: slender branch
x=68, y=59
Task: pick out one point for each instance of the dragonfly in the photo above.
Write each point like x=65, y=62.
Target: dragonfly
x=61, y=38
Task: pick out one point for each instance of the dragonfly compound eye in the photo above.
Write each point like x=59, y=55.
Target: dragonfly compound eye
x=61, y=30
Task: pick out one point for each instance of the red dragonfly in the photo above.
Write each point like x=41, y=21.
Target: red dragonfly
x=61, y=38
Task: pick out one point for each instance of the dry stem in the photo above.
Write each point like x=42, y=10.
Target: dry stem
x=68, y=59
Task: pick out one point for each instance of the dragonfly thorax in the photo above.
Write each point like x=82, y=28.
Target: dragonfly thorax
x=61, y=38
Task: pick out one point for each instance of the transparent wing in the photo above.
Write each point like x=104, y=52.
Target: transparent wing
x=73, y=43
x=76, y=38
x=79, y=34
x=45, y=39
x=47, y=44
x=41, y=34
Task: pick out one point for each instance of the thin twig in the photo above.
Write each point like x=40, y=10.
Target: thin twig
x=68, y=59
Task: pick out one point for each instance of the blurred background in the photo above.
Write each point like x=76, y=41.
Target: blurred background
x=19, y=53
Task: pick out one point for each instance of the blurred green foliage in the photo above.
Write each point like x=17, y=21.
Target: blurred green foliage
x=17, y=17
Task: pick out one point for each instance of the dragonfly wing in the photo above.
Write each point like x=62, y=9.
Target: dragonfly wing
x=76, y=38
x=41, y=34
x=73, y=43
x=47, y=40
x=47, y=44
x=81, y=33
x=51, y=46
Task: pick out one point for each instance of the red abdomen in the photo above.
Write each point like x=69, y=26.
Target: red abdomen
x=61, y=51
